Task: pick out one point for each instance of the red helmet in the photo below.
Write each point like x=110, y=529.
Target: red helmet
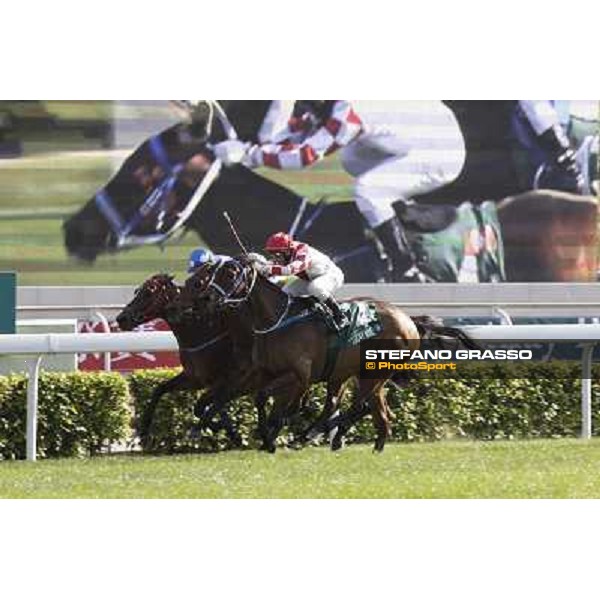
x=279, y=242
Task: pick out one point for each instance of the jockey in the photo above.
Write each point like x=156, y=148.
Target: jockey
x=315, y=273
x=202, y=256
x=394, y=151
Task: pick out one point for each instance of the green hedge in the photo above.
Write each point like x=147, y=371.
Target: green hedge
x=78, y=414
x=478, y=404
x=174, y=418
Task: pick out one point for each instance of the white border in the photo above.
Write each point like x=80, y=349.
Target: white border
x=111, y=50
x=298, y=549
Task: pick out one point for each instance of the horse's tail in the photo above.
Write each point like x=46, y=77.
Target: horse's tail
x=432, y=328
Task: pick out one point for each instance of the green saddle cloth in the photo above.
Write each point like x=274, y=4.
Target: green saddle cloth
x=363, y=324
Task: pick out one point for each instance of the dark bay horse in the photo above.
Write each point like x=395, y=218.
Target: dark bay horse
x=205, y=349
x=290, y=358
x=263, y=205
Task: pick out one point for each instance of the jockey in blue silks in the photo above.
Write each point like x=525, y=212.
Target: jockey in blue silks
x=203, y=256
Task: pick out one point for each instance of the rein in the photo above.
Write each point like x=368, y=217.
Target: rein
x=279, y=321
x=160, y=294
x=205, y=345
x=227, y=296
x=122, y=230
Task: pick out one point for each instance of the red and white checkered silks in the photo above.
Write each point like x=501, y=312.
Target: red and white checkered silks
x=342, y=126
x=306, y=262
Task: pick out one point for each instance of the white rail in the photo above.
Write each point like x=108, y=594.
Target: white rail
x=68, y=343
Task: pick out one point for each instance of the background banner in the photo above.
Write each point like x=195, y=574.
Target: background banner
x=465, y=191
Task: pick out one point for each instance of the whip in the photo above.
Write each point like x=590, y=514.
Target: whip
x=234, y=231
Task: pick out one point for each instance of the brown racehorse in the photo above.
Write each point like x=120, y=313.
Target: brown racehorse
x=288, y=358
x=204, y=350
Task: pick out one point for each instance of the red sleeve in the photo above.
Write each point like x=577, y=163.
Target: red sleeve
x=342, y=126
x=299, y=263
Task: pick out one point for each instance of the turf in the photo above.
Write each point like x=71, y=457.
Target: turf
x=514, y=469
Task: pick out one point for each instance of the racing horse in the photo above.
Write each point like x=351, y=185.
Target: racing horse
x=291, y=352
x=173, y=181
x=204, y=350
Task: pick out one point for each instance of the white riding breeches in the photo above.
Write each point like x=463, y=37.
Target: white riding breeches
x=322, y=287
x=407, y=148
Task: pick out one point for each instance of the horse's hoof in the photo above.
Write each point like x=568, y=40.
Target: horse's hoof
x=314, y=435
x=337, y=443
x=378, y=448
x=297, y=444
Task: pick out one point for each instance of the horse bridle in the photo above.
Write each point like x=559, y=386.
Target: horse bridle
x=158, y=293
x=122, y=229
x=229, y=297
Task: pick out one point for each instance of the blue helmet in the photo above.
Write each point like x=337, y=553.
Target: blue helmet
x=199, y=257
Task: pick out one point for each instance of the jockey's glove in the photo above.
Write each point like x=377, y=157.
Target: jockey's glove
x=561, y=171
x=230, y=152
x=256, y=258
x=263, y=268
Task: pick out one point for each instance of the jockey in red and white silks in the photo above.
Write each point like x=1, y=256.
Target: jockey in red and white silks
x=393, y=149
x=315, y=274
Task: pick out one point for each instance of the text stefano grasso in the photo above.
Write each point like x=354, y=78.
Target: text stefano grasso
x=413, y=355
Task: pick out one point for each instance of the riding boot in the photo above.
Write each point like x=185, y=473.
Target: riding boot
x=339, y=318
x=401, y=260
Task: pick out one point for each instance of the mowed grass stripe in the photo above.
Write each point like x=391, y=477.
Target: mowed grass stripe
x=514, y=469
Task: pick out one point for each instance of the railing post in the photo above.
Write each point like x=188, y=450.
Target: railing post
x=505, y=318
x=106, y=327
x=586, y=390
x=33, y=369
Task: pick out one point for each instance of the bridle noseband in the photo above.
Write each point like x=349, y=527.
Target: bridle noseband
x=123, y=230
x=237, y=287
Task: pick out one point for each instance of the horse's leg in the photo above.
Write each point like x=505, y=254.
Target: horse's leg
x=212, y=404
x=281, y=413
x=206, y=410
x=288, y=391
x=343, y=422
x=260, y=402
x=179, y=382
x=381, y=417
x=215, y=399
x=361, y=407
x=227, y=425
x=335, y=391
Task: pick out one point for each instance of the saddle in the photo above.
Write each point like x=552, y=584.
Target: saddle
x=315, y=308
x=425, y=218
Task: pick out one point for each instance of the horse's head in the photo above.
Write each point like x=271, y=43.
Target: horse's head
x=152, y=195
x=150, y=302
x=225, y=284
x=87, y=234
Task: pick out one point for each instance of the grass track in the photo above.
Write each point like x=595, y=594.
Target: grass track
x=513, y=469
